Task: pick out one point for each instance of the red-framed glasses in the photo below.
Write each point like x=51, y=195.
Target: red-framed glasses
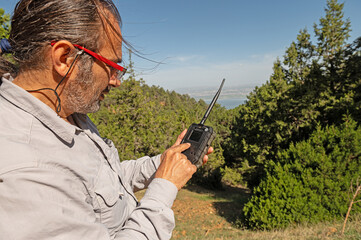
x=117, y=70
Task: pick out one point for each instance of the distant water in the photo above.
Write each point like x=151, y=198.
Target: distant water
x=228, y=103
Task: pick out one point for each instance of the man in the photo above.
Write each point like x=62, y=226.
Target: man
x=58, y=178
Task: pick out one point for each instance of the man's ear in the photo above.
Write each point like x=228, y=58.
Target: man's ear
x=62, y=55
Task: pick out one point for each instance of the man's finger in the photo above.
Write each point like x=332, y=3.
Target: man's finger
x=205, y=159
x=180, y=138
x=181, y=147
x=210, y=150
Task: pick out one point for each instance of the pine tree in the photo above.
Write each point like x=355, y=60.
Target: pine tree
x=308, y=87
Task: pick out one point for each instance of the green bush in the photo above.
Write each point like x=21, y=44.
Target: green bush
x=310, y=181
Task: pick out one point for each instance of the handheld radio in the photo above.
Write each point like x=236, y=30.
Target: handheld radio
x=200, y=136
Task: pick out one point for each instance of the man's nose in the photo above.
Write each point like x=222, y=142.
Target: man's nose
x=114, y=81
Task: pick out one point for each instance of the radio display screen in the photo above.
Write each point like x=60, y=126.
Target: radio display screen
x=196, y=135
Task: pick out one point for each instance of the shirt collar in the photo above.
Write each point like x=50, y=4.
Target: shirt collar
x=25, y=101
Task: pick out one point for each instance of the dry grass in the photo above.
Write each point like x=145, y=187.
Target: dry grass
x=205, y=214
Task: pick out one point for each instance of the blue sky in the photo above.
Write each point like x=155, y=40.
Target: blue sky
x=202, y=41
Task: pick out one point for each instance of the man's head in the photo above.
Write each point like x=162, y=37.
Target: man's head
x=35, y=23
x=93, y=24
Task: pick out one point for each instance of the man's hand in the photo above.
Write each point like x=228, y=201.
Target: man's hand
x=175, y=167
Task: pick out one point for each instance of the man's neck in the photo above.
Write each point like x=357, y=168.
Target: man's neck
x=41, y=84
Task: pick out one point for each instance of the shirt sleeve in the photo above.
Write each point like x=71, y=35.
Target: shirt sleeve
x=139, y=173
x=153, y=214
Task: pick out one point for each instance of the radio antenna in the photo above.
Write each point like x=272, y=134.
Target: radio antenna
x=212, y=103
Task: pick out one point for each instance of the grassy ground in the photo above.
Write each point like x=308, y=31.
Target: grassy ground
x=205, y=214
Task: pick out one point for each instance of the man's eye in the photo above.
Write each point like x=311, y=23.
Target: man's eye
x=113, y=70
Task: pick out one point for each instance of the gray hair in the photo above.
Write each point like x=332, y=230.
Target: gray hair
x=36, y=23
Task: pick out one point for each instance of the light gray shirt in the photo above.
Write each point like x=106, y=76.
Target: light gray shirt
x=63, y=182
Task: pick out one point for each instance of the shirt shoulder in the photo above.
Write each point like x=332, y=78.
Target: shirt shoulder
x=15, y=155
x=15, y=135
x=14, y=122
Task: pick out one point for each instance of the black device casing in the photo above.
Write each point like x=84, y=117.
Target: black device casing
x=200, y=137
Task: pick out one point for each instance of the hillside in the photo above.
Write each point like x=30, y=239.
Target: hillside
x=211, y=214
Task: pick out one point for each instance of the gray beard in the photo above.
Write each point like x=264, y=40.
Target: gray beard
x=84, y=83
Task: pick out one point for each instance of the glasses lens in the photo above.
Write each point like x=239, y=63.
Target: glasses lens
x=119, y=74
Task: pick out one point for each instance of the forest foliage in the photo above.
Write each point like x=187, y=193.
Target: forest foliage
x=296, y=142
x=146, y=120
x=4, y=24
